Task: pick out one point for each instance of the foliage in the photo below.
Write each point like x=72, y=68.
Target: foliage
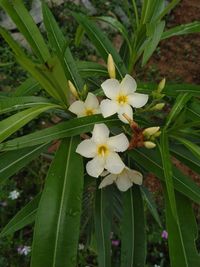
x=69, y=195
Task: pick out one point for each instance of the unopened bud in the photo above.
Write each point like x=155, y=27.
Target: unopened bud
x=161, y=85
x=158, y=106
x=149, y=144
x=111, y=67
x=151, y=131
x=73, y=89
x=157, y=134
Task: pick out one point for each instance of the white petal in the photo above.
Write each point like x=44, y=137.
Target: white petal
x=123, y=182
x=95, y=166
x=137, y=100
x=135, y=176
x=108, y=180
x=87, y=148
x=114, y=164
x=77, y=108
x=91, y=101
x=128, y=85
x=100, y=133
x=127, y=110
x=108, y=107
x=118, y=143
x=104, y=173
x=111, y=88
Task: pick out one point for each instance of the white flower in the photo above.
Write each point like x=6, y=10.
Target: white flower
x=14, y=194
x=89, y=107
x=24, y=250
x=122, y=97
x=81, y=246
x=102, y=149
x=123, y=180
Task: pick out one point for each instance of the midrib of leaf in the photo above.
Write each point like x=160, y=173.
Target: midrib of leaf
x=66, y=130
x=102, y=230
x=21, y=158
x=61, y=204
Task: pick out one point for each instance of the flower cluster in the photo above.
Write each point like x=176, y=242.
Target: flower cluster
x=102, y=149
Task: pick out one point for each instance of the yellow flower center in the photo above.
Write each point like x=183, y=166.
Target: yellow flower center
x=89, y=112
x=102, y=150
x=122, y=99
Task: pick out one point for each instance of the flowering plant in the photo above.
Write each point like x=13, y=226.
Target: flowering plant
x=109, y=137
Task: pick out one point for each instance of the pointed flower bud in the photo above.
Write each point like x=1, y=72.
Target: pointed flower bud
x=150, y=131
x=73, y=89
x=161, y=85
x=111, y=67
x=149, y=144
x=158, y=106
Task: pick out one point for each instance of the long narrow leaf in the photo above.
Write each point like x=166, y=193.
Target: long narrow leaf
x=23, y=218
x=64, y=129
x=57, y=224
x=15, y=122
x=13, y=161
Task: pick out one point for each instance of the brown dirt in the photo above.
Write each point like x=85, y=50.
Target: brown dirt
x=179, y=57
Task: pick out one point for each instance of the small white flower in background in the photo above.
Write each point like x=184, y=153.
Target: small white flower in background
x=24, y=250
x=102, y=149
x=122, y=97
x=14, y=194
x=87, y=108
x=156, y=265
x=81, y=247
x=124, y=180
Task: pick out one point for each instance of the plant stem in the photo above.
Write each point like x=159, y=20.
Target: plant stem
x=136, y=12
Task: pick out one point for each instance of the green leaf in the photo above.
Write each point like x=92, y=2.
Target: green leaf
x=56, y=233
x=186, y=157
x=101, y=42
x=168, y=8
x=153, y=164
x=59, y=44
x=133, y=252
x=103, y=218
x=13, y=123
x=180, y=103
x=61, y=130
x=182, y=248
x=118, y=26
x=193, y=27
x=23, y=217
x=15, y=103
x=167, y=169
x=29, y=87
x=25, y=23
x=46, y=76
x=151, y=10
x=13, y=161
x=195, y=149
x=89, y=69
x=151, y=204
x=153, y=42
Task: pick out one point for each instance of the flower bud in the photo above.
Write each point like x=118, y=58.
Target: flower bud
x=158, y=106
x=111, y=67
x=150, y=131
x=161, y=85
x=149, y=144
x=157, y=134
x=73, y=89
